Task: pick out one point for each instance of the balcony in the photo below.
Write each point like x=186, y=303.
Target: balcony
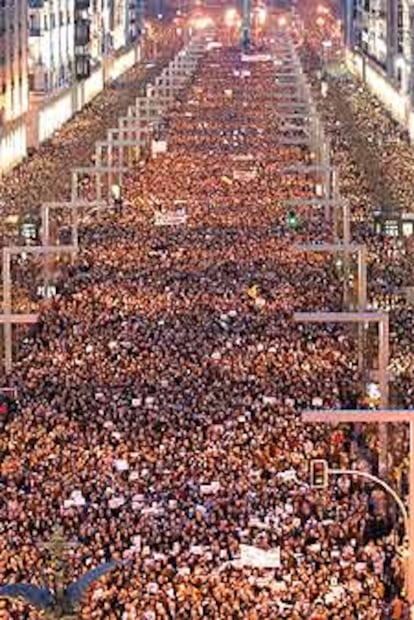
x=82, y=5
x=35, y=31
x=82, y=33
x=82, y=67
x=36, y=4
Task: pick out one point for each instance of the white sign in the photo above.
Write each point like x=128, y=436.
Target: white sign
x=170, y=218
x=121, y=465
x=213, y=45
x=158, y=147
x=244, y=175
x=256, y=58
x=46, y=292
x=206, y=489
x=259, y=558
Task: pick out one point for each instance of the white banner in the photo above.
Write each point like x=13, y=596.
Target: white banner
x=244, y=175
x=256, y=58
x=158, y=146
x=259, y=558
x=170, y=218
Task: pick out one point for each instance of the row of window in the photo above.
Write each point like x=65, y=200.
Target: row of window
x=49, y=21
x=13, y=84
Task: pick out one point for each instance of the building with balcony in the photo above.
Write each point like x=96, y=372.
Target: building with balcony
x=382, y=32
x=103, y=27
x=13, y=60
x=75, y=48
x=14, y=96
x=51, y=25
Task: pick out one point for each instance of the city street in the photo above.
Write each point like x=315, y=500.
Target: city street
x=45, y=176
x=161, y=390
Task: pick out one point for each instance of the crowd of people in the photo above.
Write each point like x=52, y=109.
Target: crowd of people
x=45, y=175
x=160, y=393
x=374, y=159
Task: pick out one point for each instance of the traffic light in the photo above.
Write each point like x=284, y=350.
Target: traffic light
x=292, y=220
x=319, y=474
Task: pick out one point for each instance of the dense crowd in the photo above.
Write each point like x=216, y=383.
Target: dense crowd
x=374, y=159
x=160, y=394
x=45, y=175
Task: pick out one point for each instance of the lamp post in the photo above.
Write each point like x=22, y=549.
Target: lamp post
x=45, y=213
x=346, y=249
x=325, y=171
x=381, y=417
x=382, y=320
x=8, y=318
x=97, y=172
x=245, y=33
x=327, y=203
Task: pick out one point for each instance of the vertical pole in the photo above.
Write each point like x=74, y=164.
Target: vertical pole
x=327, y=210
x=346, y=222
x=346, y=241
x=335, y=220
x=246, y=25
x=121, y=152
x=75, y=227
x=383, y=358
x=410, y=567
x=74, y=192
x=110, y=164
x=46, y=241
x=6, y=281
x=335, y=198
x=362, y=305
x=7, y=328
x=362, y=278
x=98, y=164
x=45, y=225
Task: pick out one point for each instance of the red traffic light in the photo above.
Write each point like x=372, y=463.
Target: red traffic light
x=319, y=474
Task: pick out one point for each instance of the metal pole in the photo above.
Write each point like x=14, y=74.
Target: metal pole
x=410, y=567
x=46, y=241
x=362, y=305
x=98, y=163
x=75, y=228
x=7, y=329
x=362, y=278
x=74, y=192
x=45, y=225
x=346, y=222
x=383, y=359
x=246, y=25
x=347, y=241
x=380, y=482
x=110, y=165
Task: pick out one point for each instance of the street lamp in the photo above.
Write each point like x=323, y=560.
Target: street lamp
x=362, y=318
x=382, y=417
x=230, y=17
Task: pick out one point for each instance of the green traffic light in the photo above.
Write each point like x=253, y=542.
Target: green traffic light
x=292, y=220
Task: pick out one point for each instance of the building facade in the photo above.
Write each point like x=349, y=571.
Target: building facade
x=382, y=31
x=51, y=44
x=66, y=51
x=13, y=60
x=68, y=39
